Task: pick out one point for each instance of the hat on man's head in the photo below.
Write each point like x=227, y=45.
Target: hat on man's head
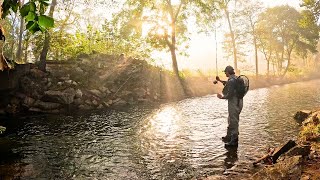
x=229, y=69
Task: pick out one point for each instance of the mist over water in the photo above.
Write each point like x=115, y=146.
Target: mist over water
x=179, y=140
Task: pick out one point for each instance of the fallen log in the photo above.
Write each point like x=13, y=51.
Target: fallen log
x=273, y=154
x=267, y=159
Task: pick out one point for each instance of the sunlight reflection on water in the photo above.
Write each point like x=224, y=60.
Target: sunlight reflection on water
x=180, y=140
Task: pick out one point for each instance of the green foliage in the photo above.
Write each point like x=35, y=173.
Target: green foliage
x=279, y=36
x=2, y=129
x=314, y=7
x=33, y=13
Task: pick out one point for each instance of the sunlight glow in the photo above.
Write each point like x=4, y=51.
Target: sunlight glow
x=175, y=2
x=158, y=27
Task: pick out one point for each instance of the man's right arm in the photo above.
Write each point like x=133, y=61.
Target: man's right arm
x=223, y=82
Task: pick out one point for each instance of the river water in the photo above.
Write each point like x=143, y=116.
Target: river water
x=180, y=140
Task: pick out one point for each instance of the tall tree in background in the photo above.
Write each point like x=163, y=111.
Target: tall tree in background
x=44, y=52
x=225, y=6
x=248, y=15
x=314, y=7
x=286, y=34
x=163, y=24
x=21, y=29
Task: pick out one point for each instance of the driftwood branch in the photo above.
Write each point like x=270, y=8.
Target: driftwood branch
x=273, y=154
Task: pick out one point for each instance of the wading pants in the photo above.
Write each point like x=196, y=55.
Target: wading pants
x=234, y=110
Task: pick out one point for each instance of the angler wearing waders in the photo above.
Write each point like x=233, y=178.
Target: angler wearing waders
x=235, y=105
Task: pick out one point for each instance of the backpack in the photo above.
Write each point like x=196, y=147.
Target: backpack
x=242, y=86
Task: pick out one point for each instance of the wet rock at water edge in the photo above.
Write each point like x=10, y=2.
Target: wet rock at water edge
x=86, y=107
x=300, y=116
x=58, y=97
x=46, y=105
x=290, y=168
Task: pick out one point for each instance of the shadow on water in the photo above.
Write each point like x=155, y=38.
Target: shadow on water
x=180, y=140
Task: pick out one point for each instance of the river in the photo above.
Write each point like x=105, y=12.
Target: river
x=180, y=140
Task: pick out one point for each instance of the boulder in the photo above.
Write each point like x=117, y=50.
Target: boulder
x=94, y=102
x=78, y=93
x=12, y=109
x=78, y=101
x=316, y=119
x=140, y=92
x=85, y=107
x=46, y=105
x=88, y=102
x=300, y=116
x=79, y=70
x=290, y=168
x=70, y=91
x=96, y=92
x=28, y=101
x=120, y=103
x=36, y=73
x=58, y=97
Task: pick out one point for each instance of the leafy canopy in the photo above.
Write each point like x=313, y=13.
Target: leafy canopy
x=33, y=13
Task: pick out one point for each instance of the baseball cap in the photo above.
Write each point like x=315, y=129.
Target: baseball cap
x=228, y=69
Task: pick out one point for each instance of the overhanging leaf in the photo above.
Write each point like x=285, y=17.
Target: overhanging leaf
x=25, y=10
x=31, y=16
x=45, y=21
x=32, y=6
x=29, y=24
x=32, y=26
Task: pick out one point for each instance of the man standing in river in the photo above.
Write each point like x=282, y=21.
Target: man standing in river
x=234, y=106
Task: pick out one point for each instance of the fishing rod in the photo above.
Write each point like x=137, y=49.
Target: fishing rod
x=215, y=38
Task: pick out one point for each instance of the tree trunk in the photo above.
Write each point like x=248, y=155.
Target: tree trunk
x=13, y=38
x=46, y=44
x=235, y=61
x=26, y=49
x=19, y=51
x=256, y=55
x=174, y=58
x=268, y=67
x=288, y=65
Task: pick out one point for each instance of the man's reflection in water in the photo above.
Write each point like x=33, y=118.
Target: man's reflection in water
x=231, y=157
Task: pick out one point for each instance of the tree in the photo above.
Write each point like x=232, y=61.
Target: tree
x=33, y=13
x=314, y=7
x=19, y=51
x=281, y=33
x=225, y=6
x=44, y=52
x=248, y=15
x=163, y=24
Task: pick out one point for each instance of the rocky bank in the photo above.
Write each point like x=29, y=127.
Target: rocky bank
x=97, y=82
